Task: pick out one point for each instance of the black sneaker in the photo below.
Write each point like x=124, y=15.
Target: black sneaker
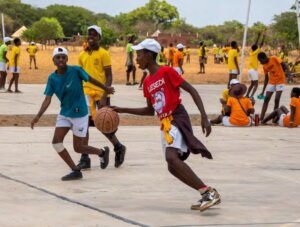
x=104, y=157
x=74, y=175
x=120, y=156
x=84, y=163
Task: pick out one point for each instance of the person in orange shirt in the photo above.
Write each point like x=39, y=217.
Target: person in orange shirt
x=171, y=54
x=239, y=108
x=283, y=116
x=178, y=59
x=274, y=69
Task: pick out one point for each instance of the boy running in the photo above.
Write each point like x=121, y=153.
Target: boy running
x=274, y=69
x=14, y=65
x=253, y=65
x=162, y=91
x=66, y=84
x=3, y=61
x=96, y=61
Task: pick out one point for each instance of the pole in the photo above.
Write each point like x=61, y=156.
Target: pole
x=244, y=41
x=3, y=28
x=298, y=19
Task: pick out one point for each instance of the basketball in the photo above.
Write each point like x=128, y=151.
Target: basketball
x=106, y=120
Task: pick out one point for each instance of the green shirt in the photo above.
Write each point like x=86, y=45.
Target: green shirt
x=3, y=49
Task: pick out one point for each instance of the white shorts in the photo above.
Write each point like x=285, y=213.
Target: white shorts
x=226, y=122
x=280, y=122
x=12, y=69
x=2, y=67
x=233, y=71
x=177, y=69
x=178, y=141
x=78, y=125
x=252, y=74
x=277, y=87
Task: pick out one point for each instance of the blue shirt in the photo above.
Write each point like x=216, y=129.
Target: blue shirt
x=69, y=90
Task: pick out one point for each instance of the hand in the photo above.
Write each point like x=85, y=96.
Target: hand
x=110, y=90
x=102, y=103
x=206, y=127
x=34, y=121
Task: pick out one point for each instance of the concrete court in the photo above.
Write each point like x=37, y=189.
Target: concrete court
x=30, y=101
x=256, y=170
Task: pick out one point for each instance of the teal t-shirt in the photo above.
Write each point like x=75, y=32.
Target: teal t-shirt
x=69, y=90
x=3, y=48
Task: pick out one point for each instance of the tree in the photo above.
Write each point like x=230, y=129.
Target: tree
x=45, y=29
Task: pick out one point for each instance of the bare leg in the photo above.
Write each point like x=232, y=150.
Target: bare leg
x=255, y=85
x=181, y=170
x=133, y=75
x=265, y=105
x=3, y=79
x=277, y=99
x=11, y=82
x=217, y=120
x=16, y=82
x=249, y=89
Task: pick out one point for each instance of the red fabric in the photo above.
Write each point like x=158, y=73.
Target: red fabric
x=162, y=89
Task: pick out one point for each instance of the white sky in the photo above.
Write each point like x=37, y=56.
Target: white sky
x=196, y=12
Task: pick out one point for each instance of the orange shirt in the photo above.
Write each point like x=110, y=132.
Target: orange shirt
x=238, y=117
x=177, y=56
x=172, y=51
x=274, y=68
x=295, y=102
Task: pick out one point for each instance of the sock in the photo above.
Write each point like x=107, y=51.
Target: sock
x=203, y=189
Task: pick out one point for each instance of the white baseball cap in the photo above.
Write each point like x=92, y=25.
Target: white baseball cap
x=148, y=44
x=180, y=46
x=7, y=39
x=234, y=81
x=60, y=50
x=96, y=28
x=32, y=43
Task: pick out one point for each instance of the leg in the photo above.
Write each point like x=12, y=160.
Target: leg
x=133, y=75
x=284, y=109
x=16, y=82
x=255, y=85
x=217, y=120
x=265, y=105
x=271, y=116
x=249, y=89
x=277, y=99
x=30, y=61
x=11, y=83
x=2, y=79
x=34, y=60
x=181, y=170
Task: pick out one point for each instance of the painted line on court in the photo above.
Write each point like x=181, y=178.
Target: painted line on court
x=75, y=202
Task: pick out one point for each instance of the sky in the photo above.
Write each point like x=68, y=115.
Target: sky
x=196, y=12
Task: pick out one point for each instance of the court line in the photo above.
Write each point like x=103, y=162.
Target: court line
x=75, y=202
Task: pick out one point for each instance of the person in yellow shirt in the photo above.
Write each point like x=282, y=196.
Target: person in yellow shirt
x=188, y=54
x=172, y=51
x=97, y=63
x=14, y=65
x=253, y=65
x=31, y=50
x=233, y=66
x=201, y=54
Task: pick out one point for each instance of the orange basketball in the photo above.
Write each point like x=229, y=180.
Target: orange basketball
x=106, y=120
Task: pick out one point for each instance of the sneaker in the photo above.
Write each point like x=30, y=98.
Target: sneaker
x=210, y=198
x=84, y=163
x=104, y=157
x=120, y=156
x=74, y=175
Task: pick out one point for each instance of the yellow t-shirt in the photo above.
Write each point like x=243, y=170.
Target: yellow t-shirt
x=94, y=64
x=32, y=50
x=225, y=95
x=253, y=61
x=15, y=51
x=231, y=55
x=188, y=52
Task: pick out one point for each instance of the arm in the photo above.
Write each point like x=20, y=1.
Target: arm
x=16, y=62
x=258, y=36
x=5, y=57
x=250, y=111
x=108, y=75
x=145, y=111
x=109, y=90
x=286, y=70
x=27, y=50
x=227, y=110
x=42, y=110
x=265, y=84
x=206, y=127
x=293, y=111
x=263, y=40
x=237, y=65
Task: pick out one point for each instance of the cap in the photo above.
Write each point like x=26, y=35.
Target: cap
x=234, y=81
x=180, y=46
x=32, y=43
x=96, y=28
x=7, y=39
x=60, y=50
x=148, y=44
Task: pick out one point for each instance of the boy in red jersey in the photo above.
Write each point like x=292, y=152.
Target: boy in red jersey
x=162, y=91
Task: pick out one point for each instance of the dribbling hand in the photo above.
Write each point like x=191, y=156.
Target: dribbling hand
x=206, y=127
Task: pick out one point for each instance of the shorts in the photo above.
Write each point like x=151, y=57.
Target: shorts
x=280, y=122
x=78, y=125
x=87, y=100
x=202, y=60
x=226, y=122
x=12, y=69
x=2, y=67
x=275, y=87
x=177, y=69
x=233, y=71
x=252, y=74
x=178, y=141
x=130, y=68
